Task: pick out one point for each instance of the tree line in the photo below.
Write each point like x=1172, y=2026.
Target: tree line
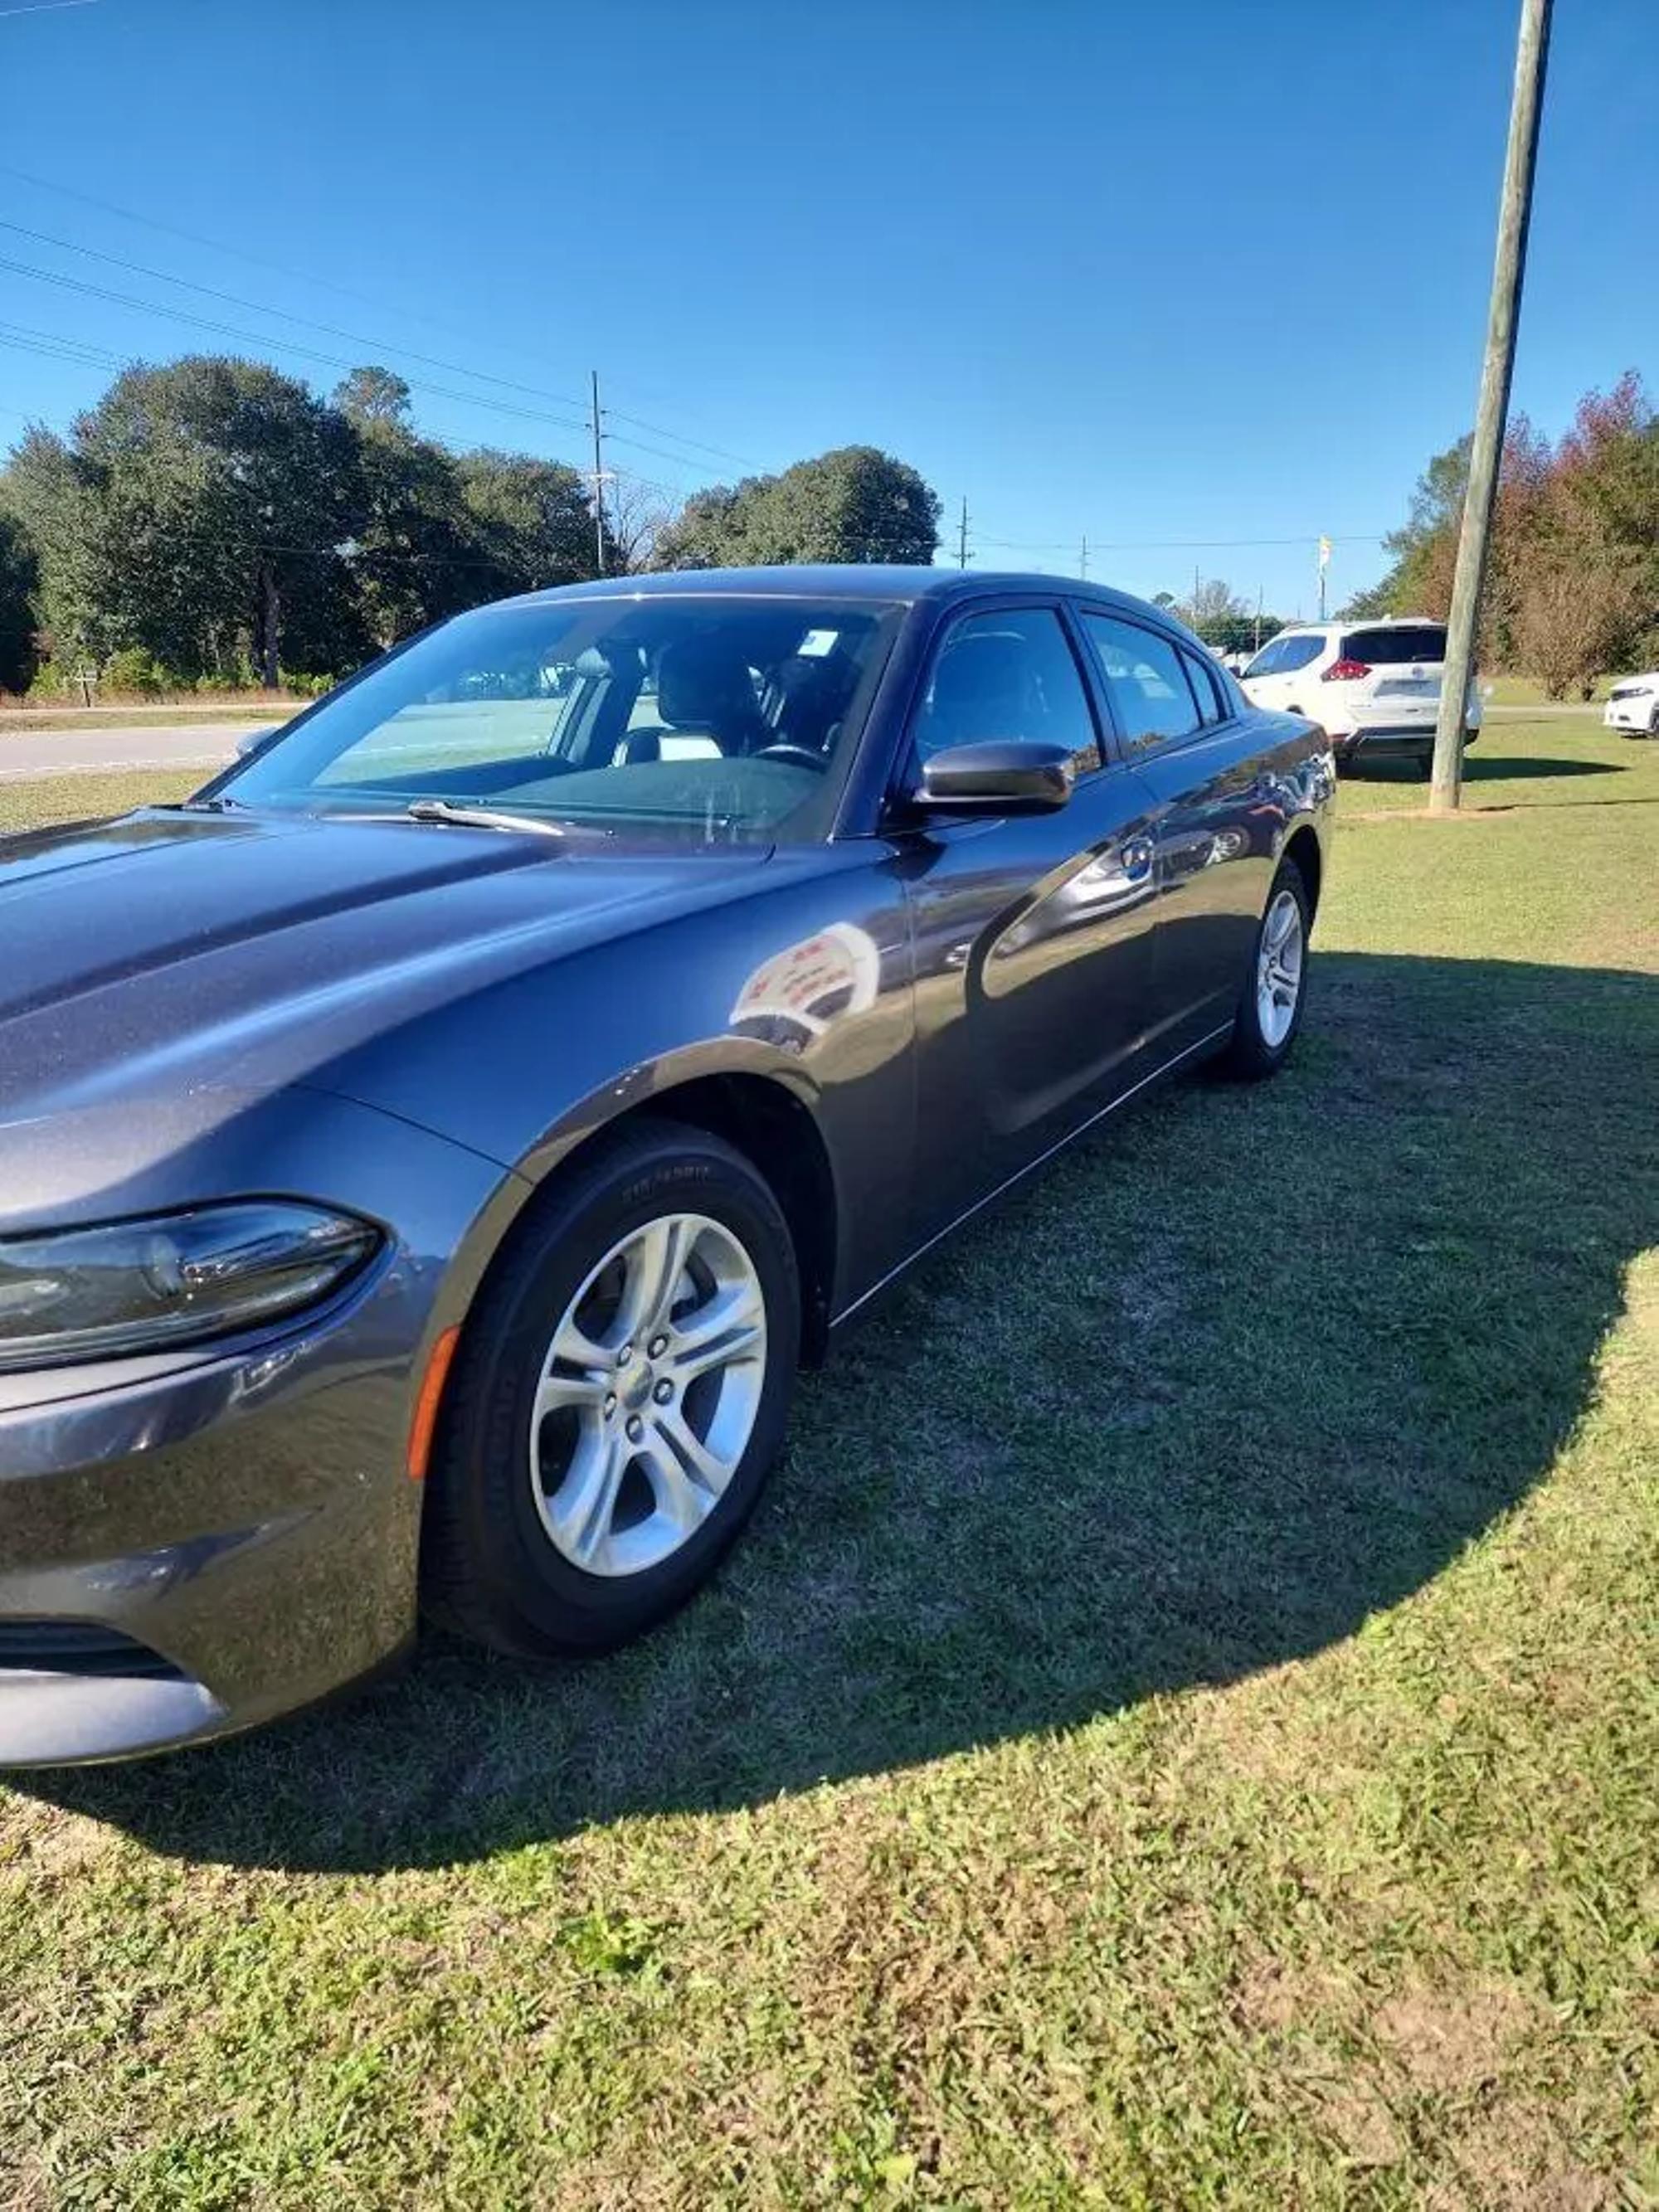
x=214, y=523
x=1572, y=589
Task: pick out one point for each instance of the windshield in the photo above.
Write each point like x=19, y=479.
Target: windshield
x=703, y=720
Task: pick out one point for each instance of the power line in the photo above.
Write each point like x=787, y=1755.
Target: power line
x=258, y=261
x=282, y=315
x=53, y=348
x=1180, y=545
x=720, y=452
x=269, y=345
x=235, y=252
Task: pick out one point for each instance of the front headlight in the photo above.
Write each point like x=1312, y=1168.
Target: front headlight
x=72, y=1294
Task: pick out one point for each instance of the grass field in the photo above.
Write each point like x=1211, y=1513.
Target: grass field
x=26, y=721
x=1181, y=1732
x=1527, y=691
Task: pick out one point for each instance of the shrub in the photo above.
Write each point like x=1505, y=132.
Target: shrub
x=135, y=668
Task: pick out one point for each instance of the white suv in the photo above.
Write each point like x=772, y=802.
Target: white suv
x=1373, y=688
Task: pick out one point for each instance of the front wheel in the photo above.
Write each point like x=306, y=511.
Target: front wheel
x=1270, y=1005
x=619, y=1397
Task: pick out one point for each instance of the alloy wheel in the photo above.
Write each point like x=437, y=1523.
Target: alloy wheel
x=648, y=1394
x=1279, y=970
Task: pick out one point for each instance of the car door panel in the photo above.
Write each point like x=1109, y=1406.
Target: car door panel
x=1216, y=823
x=1033, y=950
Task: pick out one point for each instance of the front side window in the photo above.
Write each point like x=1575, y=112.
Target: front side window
x=1010, y=674
x=1150, y=694
x=700, y=719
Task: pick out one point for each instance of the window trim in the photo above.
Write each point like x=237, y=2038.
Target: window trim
x=905, y=770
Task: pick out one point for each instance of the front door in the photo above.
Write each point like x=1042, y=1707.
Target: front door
x=1032, y=934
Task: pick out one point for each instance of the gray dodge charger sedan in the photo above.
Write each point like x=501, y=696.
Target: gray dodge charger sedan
x=427, y=1154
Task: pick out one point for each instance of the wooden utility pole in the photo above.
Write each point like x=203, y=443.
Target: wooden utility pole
x=598, y=480
x=1082, y=558
x=1514, y=214
x=962, y=534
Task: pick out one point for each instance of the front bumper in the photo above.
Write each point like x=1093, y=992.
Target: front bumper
x=191, y=1545
x=1639, y=715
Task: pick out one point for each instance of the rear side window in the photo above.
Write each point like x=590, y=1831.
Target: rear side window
x=1213, y=704
x=1388, y=648
x=1284, y=654
x=1150, y=694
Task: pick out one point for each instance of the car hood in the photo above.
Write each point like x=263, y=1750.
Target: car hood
x=167, y=953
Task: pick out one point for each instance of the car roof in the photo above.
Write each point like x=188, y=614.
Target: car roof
x=870, y=581
x=1360, y=621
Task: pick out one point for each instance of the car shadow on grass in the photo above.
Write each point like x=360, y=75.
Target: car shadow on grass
x=1485, y=768
x=1232, y=1376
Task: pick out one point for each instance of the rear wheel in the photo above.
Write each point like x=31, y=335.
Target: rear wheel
x=618, y=1399
x=1270, y=1005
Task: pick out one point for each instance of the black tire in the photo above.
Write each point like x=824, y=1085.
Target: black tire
x=1249, y=1056
x=489, y=1569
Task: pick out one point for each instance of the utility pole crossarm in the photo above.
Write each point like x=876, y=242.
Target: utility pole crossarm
x=1486, y=450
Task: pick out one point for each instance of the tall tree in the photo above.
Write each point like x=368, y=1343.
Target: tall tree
x=1214, y=604
x=414, y=559
x=530, y=521
x=55, y=497
x=1573, y=582
x=207, y=493
x=19, y=576
x=854, y=504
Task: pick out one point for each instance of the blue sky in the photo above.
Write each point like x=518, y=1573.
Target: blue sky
x=1199, y=271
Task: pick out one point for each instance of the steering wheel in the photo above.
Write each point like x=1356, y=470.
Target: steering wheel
x=801, y=755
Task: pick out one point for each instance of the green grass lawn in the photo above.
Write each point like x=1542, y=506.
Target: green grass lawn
x=1527, y=691
x=27, y=721
x=1182, y=1730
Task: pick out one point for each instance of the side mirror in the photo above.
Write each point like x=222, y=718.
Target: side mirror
x=250, y=742
x=1000, y=775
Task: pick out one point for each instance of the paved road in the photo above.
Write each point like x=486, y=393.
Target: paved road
x=27, y=755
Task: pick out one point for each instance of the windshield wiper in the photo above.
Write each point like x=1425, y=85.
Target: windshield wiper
x=485, y=818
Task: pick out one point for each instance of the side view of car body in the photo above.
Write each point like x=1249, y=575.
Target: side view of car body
x=427, y=1155
x=1373, y=687
x=1633, y=705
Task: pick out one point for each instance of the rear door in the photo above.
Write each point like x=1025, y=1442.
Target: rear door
x=1214, y=818
x=1280, y=673
x=1033, y=934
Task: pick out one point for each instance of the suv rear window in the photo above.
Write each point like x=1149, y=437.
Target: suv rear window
x=1387, y=647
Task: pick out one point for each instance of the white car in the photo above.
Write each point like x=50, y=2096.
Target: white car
x=1373, y=687
x=1633, y=706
